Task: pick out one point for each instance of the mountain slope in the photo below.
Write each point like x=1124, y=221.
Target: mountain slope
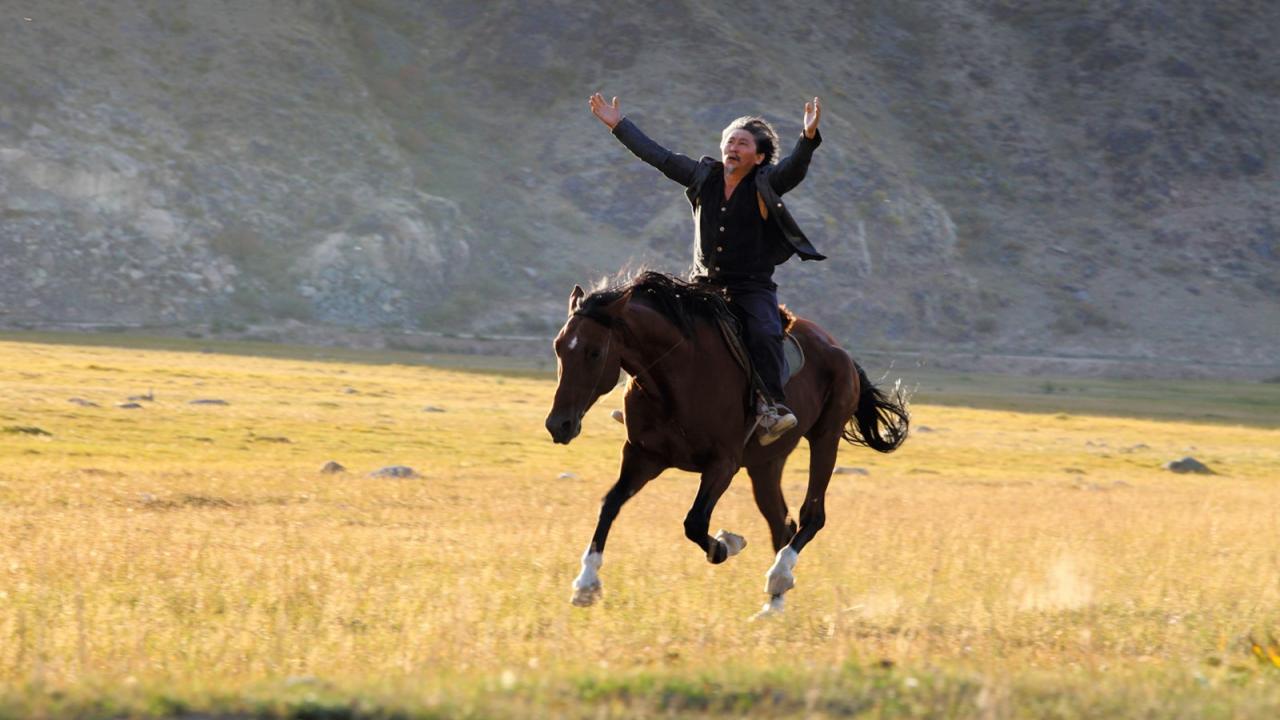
x=996, y=175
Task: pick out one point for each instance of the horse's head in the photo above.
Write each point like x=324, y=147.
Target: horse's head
x=588, y=361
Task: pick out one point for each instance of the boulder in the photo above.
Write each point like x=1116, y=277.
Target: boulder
x=1188, y=465
x=395, y=471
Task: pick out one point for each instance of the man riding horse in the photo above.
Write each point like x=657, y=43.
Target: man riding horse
x=742, y=230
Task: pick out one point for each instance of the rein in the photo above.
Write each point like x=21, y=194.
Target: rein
x=608, y=343
x=668, y=352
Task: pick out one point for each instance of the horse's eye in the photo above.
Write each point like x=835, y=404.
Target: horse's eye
x=593, y=354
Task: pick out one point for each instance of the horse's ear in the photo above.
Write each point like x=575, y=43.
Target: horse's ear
x=575, y=298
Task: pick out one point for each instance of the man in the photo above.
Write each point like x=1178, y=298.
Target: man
x=742, y=230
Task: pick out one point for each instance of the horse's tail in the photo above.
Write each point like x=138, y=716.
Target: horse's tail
x=881, y=420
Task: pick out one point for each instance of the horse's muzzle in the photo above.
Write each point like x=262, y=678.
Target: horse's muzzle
x=563, y=427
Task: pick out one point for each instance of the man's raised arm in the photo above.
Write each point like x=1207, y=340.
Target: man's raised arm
x=791, y=169
x=675, y=166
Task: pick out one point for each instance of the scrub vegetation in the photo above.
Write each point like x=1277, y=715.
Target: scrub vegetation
x=1018, y=560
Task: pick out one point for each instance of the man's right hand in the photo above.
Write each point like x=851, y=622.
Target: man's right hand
x=608, y=114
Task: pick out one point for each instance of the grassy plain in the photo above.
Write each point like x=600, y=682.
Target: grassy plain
x=181, y=559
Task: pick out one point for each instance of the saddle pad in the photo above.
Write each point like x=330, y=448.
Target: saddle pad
x=792, y=358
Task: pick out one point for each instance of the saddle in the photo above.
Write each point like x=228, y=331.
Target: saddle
x=792, y=353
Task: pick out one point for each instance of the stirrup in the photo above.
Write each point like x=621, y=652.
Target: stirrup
x=773, y=425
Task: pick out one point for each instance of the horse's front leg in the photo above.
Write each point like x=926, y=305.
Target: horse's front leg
x=638, y=468
x=715, y=480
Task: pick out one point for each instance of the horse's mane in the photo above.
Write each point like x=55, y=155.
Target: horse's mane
x=682, y=303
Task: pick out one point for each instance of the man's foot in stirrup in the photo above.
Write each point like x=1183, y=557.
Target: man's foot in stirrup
x=775, y=421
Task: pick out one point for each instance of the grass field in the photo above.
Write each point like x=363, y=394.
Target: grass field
x=1023, y=555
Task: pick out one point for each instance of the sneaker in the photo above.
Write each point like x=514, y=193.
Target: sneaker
x=775, y=421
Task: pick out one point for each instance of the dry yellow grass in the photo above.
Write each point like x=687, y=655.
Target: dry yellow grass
x=192, y=556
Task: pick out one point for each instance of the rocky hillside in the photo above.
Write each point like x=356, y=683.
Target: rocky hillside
x=200, y=162
x=1048, y=178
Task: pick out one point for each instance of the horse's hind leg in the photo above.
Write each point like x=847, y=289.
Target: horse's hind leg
x=715, y=480
x=766, y=486
x=813, y=515
x=638, y=468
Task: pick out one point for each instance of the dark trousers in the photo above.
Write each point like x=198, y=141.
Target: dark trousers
x=756, y=306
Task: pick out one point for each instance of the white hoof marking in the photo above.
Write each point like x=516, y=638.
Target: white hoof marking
x=733, y=542
x=587, y=587
x=779, y=578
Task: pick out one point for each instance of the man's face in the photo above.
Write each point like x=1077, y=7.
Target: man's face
x=738, y=150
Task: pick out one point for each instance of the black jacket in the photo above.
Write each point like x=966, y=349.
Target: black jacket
x=772, y=181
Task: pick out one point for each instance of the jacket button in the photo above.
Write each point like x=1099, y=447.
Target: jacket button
x=721, y=228
x=723, y=209
x=779, y=204
x=719, y=248
x=717, y=268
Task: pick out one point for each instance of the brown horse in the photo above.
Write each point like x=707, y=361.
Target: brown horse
x=686, y=408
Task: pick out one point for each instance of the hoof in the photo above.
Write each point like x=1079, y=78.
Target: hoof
x=717, y=553
x=772, y=608
x=587, y=595
x=586, y=587
x=733, y=542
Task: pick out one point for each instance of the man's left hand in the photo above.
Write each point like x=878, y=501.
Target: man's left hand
x=812, y=111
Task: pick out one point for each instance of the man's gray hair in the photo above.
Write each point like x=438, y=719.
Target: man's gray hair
x=766, y=137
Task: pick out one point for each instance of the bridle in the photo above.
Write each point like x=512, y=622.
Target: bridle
x=608, y=324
